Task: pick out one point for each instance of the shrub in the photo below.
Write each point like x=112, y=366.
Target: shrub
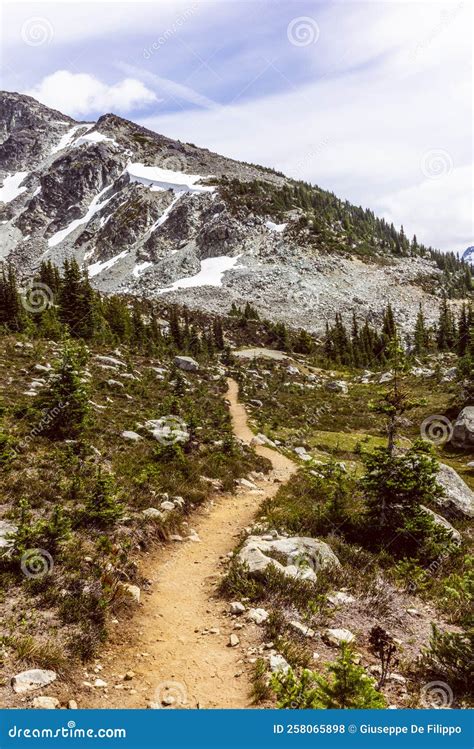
x=347, y=686
x=451, y=657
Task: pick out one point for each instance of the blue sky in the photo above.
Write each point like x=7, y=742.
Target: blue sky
x=369, y=99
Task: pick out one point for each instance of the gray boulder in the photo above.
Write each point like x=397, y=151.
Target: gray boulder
x=459, y=498
x=337, y=386
x=443, y=523
x=6, y=529
x=187, y=363
x=463, y=429
x=305, y=556
x=35, y=678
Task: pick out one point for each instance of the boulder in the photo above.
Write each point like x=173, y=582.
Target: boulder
x=386, y=377
x=337, y=386
x=279, y=664
x=132, y=591
x=302, y=453
x=35, y=678
x=463, y=429
x=337, y=637
x=459, y=498
x=6, y=529
x=187, y=363
x=442, y=523
x=305, y=556
x=258, y=615
x=236, y=607
x=340, y=598
x=45, y=703
x=153, y=513
x=133, y=436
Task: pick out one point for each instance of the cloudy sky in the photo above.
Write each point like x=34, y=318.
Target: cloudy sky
x=371, y=100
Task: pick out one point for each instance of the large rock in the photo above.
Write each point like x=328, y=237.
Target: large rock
x=35, y=678
x=337, y=386
x=304, y=556
x=463, y=430
x=187, y=363
x=442, y=523
x=459, y=498
x=337, y=637
x=6, y=529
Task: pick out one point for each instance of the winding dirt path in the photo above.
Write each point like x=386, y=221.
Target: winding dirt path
x=169, y=654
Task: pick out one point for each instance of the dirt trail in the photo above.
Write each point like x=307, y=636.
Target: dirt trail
x=169, y=654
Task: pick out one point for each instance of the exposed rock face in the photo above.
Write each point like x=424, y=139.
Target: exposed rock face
x=463, y=431
x=459, y=498
x=305, y=556
x=83, y=191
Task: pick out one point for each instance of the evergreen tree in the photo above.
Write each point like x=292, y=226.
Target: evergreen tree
x=12, y=313
x=76, y=301
x=421, y=336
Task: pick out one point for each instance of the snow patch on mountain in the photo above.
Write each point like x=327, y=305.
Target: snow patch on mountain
x=94, y=207
x=96, y=268
x=11, y=187
x=157, y=178
x=211, y=273
x=468, y=255
x=275, y=227
x=68, y=138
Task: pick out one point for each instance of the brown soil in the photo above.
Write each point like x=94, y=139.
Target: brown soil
x=165, y=647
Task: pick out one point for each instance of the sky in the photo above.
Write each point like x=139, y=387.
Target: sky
x=370, y=100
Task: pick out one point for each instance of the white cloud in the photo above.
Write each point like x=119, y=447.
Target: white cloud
x=79, y=94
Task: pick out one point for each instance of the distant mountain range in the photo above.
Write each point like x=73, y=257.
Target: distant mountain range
x=152, y=216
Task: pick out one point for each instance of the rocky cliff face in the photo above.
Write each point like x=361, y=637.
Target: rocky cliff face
x=149, y=215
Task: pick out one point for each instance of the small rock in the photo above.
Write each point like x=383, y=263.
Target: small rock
x=236, y=607
x=35, y=678
x=336, y=637
x=279, y=664
x=45, y=703
x=133, y=591
x=72, y=705
x=258, y=615
x=339, y=598
x=303, y=629
x=133, y=436
x=233, y=641
x=99, y=684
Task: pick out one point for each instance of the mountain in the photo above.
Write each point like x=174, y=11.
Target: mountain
x=468, y=255
x=151, y=216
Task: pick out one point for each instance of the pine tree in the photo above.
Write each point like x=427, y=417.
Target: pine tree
x=218, y=334
x=102, y=507
x=347, y=686
x=12, y=313
x=64, y=401
x=76, y=301
x=421, y=336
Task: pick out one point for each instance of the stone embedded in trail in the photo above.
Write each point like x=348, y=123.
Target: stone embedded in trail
x=305, y=556
x=35, y=678
x=233, y=641
x=246, y=484
x=337, y=637
x=187, y=363
x=45, y=703
x=442, y=523
x=459, y=498
x=463, y=430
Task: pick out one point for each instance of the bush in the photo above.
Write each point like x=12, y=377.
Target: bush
x=451, y=657
x=347, y=686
